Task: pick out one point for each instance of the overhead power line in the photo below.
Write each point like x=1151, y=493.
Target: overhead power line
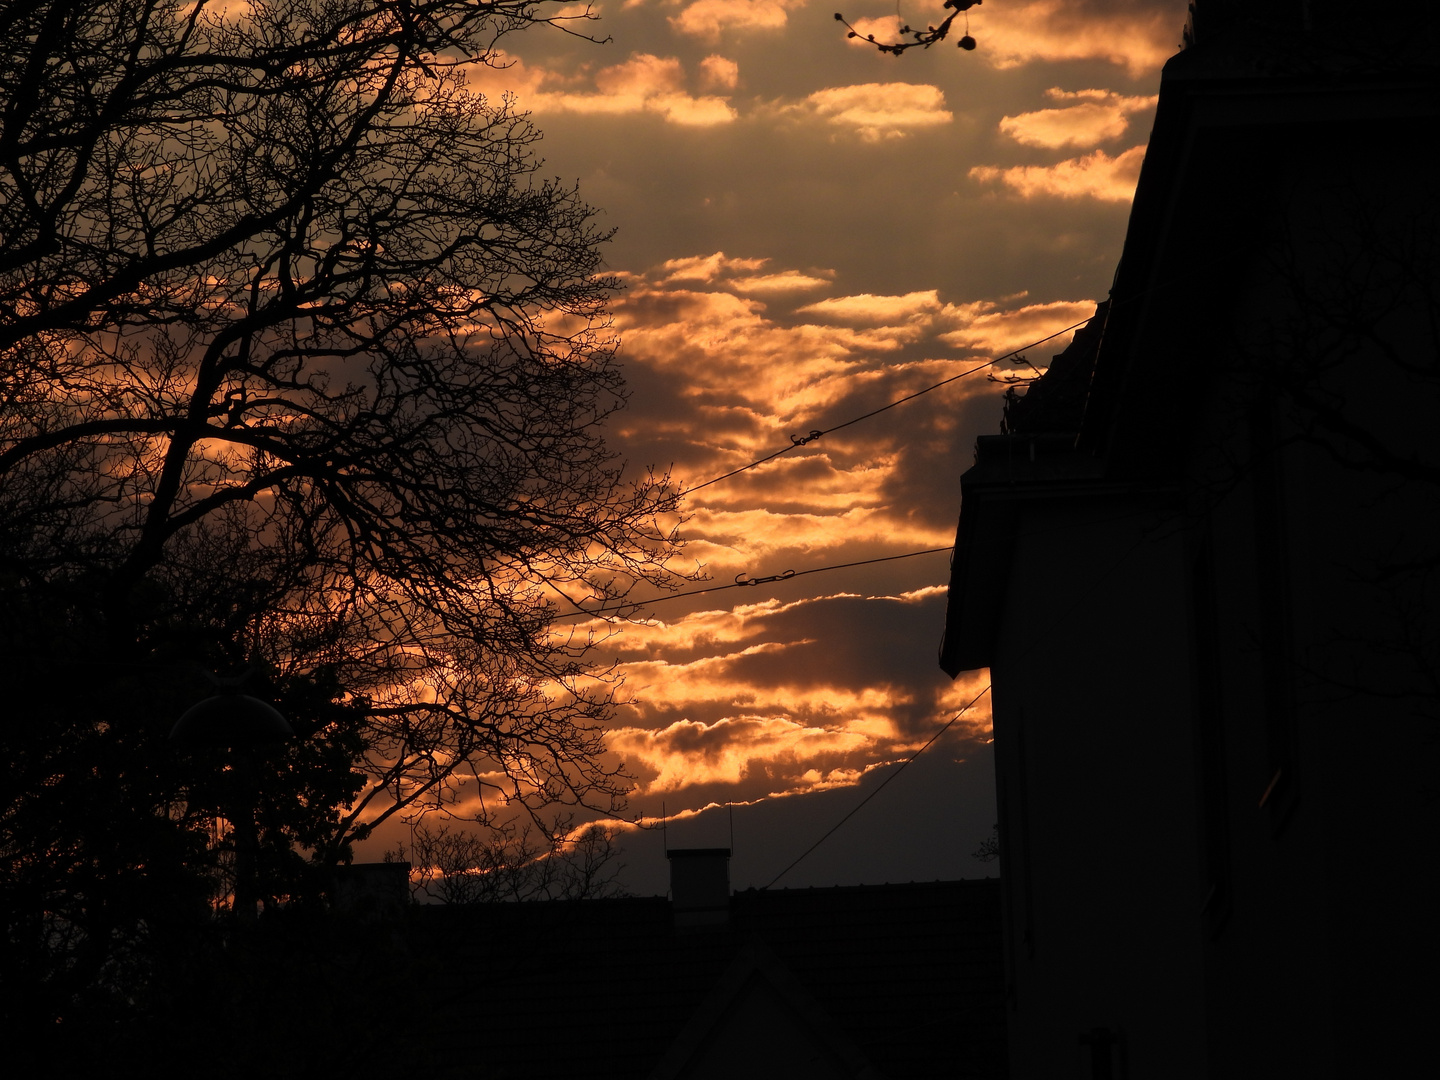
x=797, y=441
x=802, y=440
x=747, y=582
x=881, y=787
x=1094, y=583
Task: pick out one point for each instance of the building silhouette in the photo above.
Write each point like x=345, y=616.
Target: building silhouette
x=844, y=983
x=848, y=983
x=1202, y=566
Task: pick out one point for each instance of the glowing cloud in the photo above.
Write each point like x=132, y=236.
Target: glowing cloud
x=706, y=268
x=707, y=19
x=877, y=111
x=786, y=281
x=1134, y=34
x=996, y=332
x=727, y=751
x=1094, y=176
x=884, y=28
x=747, y=376
x=642, y=84
x=724, y=627
x=866, y=307
x=728, y=348
x=767, y=709
x=762, y=532
x=719, y=73
x=1099, y=117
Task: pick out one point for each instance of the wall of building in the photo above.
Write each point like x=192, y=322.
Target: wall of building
x=1093, y=744
x=1318, y=584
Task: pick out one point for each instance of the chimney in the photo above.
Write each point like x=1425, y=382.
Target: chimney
x=700, y=886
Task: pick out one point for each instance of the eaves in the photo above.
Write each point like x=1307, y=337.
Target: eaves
x=1014, y=473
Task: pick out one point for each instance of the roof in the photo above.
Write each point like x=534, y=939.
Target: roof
x=1055, y=402
x=911, y=975
x=1009, y=472
x=1240, y=121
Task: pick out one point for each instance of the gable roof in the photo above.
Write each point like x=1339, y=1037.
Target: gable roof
x=759, y=1006
x=912, y=975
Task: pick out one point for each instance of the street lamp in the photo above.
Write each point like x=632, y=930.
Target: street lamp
x=240, y=723
x=231, y=719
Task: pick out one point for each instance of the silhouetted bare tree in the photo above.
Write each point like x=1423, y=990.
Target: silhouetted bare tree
x=303, y=366
x=512, y=861
x=989, y=849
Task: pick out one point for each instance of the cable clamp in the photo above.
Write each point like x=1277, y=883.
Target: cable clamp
x=746, y=579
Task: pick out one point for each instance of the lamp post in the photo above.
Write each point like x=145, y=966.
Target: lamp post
x=240, y=723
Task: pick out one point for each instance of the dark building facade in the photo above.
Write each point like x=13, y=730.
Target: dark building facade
x=1202, y=567
x=846, y=983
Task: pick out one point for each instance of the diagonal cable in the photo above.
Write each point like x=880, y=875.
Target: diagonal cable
x=801, y=440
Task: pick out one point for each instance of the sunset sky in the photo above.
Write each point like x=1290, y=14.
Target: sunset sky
x=807, y=230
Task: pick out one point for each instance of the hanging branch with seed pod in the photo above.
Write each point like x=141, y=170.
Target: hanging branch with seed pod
x=920, y=38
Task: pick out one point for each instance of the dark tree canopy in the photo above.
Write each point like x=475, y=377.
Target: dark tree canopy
x=303, y=368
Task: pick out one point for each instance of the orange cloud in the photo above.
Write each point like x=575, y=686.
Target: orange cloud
x=866, y=307
x=960, y=694
x=728, y=346
x=1100, y=117
x=762, y=705
x=724, y=678
x=739, y=377
x=815, y=780
x=727, y=751
x=708, y=19
x=876, y=111
x=1132, y=34
x=786, y=281
x=758, y=534
x=746, y=377
x=705, y=268
x=1094, y=176
x=719, y=73
x=997, y=332
x=642, y=84
x=748, y=657
x=884, y=28
x=725, y=627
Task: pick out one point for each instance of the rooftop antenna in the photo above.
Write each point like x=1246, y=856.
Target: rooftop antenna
x=731, y=807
